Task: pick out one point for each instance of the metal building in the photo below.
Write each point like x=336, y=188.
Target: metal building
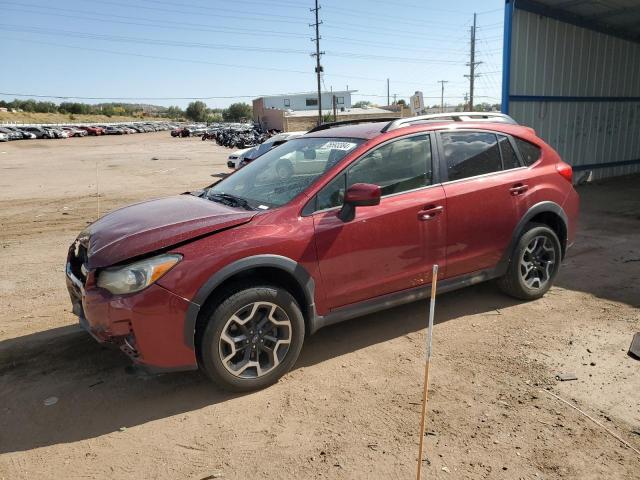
x=572, y=72
x=306, y=101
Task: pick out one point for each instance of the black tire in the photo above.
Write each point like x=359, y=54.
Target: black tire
x=219, y=314
x=513, y=283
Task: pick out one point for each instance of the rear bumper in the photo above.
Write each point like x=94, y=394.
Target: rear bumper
x=147, y=326
x=571, y=208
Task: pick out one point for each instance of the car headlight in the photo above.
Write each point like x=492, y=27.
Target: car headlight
x=138, y=275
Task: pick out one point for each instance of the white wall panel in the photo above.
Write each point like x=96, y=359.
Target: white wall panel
x=554, y=58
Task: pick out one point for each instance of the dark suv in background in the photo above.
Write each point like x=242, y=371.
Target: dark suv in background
x=341, y=222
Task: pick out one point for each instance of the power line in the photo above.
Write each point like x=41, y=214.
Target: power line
x=154, y=23
x=203, y=62
x=334, y=25
x=152, y=41
x=128, y=20
x=210, y=97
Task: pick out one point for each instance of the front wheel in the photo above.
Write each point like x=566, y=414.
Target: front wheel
x=252, y=338
x=534, y=263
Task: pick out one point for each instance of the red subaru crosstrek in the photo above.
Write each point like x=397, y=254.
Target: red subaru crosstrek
x=344, y=221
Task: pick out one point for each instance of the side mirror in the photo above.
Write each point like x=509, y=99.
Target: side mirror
x=358, y=195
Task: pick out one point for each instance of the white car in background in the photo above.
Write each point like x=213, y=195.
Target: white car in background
x=4, y=137
x=254, y=152
x=236, y=157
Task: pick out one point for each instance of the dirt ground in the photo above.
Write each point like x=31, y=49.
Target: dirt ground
x=350, y=407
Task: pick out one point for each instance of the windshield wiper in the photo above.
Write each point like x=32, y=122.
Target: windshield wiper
x=230, y=200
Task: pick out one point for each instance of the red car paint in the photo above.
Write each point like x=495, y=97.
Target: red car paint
x=466, y=226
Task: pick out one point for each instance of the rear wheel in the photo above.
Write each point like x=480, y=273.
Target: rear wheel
x=534, y=264
x=252, y=338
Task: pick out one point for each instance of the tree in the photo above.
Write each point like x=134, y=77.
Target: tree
x=214, y=117
x=237, y=111
x=402, y=102
x=197, y=111
x=174, y=112
x=362, y=104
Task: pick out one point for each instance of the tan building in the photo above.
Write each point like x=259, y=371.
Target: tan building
x=288, y=120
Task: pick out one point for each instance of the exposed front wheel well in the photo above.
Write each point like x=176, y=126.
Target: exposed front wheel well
x=246, y=278
x=555, y=223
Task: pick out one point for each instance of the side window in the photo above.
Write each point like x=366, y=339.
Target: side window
x=470, y=153
x=398, y=166
x=509, y=157
x=530, y=153
x=332, y=194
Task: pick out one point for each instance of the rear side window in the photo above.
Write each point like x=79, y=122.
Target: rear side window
x=470, y=153
x=529, y=152
x=509, y=157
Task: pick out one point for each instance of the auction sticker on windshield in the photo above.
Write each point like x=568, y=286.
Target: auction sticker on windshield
x=333, y=145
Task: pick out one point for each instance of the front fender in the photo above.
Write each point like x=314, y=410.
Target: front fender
x=297, y=271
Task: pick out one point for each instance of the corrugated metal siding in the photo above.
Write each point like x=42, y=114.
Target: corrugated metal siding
x=553, y=58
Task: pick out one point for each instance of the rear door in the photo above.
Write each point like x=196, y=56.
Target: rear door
x=483, y=180
x=391, y=246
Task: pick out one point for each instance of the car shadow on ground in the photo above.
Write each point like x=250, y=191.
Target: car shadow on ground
x=95, y=396
x=605, y=260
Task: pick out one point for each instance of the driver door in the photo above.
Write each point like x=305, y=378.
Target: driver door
x=389, y=247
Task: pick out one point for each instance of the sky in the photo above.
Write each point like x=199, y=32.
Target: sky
x=169, y=52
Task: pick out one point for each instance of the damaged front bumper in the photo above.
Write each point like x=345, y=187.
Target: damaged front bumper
x=147, y=326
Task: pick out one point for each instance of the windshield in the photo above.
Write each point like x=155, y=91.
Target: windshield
x=281, y=174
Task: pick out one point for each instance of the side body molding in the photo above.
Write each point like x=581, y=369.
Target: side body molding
x=299, y=273
x=536, y=209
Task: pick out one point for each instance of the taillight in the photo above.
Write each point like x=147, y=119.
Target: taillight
x=565, y=170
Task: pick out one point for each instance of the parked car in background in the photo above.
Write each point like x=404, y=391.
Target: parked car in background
x=25, y=135
x=39, y=132
x=111, y=130
x=4, y=137
x=92, y=130
x=236, y=157
x=56, y=132
x=267, y=145
x=75, y=132
x=231, y=279
x=11, y=135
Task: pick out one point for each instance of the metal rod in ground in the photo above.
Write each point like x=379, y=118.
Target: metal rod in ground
x=425, y=390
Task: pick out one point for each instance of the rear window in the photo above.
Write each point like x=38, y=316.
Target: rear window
x=529, y=152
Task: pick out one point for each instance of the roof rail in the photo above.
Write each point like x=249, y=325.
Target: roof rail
x=355, y=121
x=494, y=117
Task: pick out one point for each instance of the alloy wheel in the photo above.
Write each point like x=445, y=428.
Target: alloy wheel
x=255, y=340
x=537, y=262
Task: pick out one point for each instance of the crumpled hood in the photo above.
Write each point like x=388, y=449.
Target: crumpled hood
x=155, y=224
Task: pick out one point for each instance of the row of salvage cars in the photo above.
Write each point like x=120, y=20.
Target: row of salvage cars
x=31, y=132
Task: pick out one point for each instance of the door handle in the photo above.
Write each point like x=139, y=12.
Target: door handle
x=430, y=212
x=518, y=189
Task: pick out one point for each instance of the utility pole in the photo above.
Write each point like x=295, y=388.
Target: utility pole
x=318, y=53
x=388, y=99
x=472, y=63
x=442, y=82
x=395, y=96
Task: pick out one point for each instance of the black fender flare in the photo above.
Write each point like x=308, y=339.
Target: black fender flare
x=297, y=271
x=536, y=209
